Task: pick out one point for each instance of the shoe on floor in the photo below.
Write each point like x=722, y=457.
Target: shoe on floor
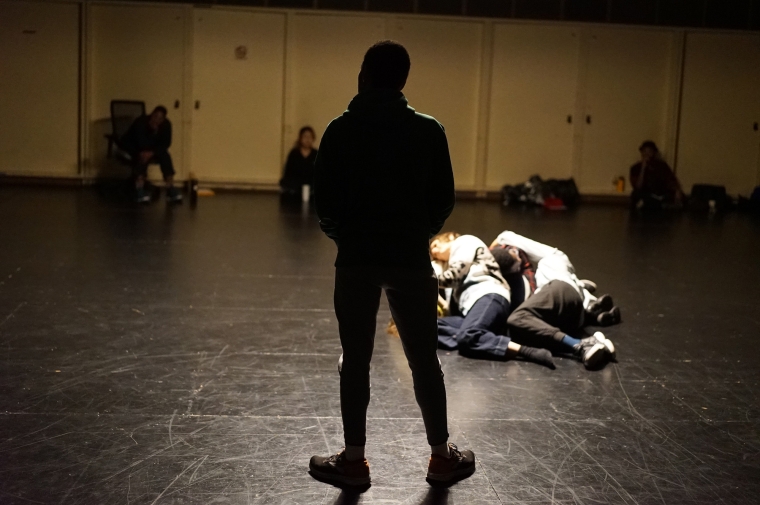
x=603, y=304
x=609, y=346
x=338, y=469
x=172, y=195
x=459, y=465
x=610, y=317
x=142, y=196
x=591, y=352
x=589, y=285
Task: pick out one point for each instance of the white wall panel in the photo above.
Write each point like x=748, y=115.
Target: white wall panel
x=533, y=92
x=444, y=82
x=721, y=103
x=237, y=127
x=39, y=88
x=137, y=53
x=626, y=100
x=324, y=59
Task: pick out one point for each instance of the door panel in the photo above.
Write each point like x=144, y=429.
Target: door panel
x=533, y=92
x=721, y=102
x=327, y=53
x=237, y=127
x=627, y=95
x=137, y=54
x=444, y=82
x=39, y=88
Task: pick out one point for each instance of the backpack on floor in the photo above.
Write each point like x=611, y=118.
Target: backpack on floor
x=707, y=197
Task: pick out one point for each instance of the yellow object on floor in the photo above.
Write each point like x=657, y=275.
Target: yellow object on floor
x=205, y=192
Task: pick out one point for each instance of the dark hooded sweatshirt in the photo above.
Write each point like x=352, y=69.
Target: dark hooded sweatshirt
x=383, y=182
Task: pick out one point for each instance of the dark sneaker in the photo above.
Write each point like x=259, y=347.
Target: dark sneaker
x=337, y=469
x=602, y=304
x=173, y=196
x=459, y=465
x=142, y=196
x=591, y=352
x=610, y=317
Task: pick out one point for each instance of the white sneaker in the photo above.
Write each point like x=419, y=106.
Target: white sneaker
x=607, y=343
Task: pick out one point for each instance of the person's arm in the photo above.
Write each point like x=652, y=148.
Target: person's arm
x=535, y=251
x=637, y=175
x=441, y=198
x=164, y=138
x=327, y=184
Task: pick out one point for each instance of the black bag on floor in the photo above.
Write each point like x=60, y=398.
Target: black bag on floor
x=564, y=189
x=703, y=194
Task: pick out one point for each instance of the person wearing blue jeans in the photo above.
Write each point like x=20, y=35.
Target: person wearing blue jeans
x=480, y=300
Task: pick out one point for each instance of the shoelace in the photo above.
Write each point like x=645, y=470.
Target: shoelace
x=455, y=451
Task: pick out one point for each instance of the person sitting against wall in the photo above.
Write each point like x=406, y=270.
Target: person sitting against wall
x=654, y=183
x=480, y=302
x=299, y=168
x=147, y=141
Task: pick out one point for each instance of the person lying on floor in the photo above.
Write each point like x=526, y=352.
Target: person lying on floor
x=480, y=301
x=552, y=264
x=551, y=317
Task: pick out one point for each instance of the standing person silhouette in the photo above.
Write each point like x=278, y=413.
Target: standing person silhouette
x=384, y=186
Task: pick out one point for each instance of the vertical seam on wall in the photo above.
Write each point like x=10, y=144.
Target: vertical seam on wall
x=679, y=101
x=80, y=94
x=286, y=78
x=484, y=107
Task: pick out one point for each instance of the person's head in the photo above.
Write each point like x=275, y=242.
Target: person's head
x=649, y=151
x=306, y=137
x=386, y=66
x=157, y=117
x=440, y=245
x=508, y=259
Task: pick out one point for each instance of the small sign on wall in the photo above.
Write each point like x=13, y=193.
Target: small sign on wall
x=241, y=53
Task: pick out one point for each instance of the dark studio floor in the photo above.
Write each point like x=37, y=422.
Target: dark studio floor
x=171, y=355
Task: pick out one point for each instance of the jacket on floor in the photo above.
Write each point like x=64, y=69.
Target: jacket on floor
x=383, y=182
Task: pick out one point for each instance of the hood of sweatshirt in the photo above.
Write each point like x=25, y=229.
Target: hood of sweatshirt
x=380, y=106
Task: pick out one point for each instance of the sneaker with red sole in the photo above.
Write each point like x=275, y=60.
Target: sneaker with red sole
x=338, y=469
x=459, y=465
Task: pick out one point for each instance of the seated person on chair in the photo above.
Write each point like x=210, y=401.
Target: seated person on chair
x=551, y=317
x=479, y=301
x=299, y=169
x=147, y=141
x=654, y=183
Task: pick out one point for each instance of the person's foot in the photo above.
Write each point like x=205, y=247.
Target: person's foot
x=602, y=304
x=142, y=196
x=338, y=469
x=608, y=345
x=591, y=351
x=539, y=356
x=609, y=318
x=589, y=285
x=172, y=195
x=459, y=465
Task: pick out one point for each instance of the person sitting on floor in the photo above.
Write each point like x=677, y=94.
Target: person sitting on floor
x=480, y=301
x=654, y=183
x=552, y=317
x=552, y=264
x=299, y=169
x=147, y=141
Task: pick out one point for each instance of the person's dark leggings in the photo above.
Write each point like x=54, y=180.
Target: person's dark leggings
x=412, y=297
x=164, y=160
x=479, y=334
x=543, y=319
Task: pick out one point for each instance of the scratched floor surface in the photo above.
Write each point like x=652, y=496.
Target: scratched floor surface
x=176, y=355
